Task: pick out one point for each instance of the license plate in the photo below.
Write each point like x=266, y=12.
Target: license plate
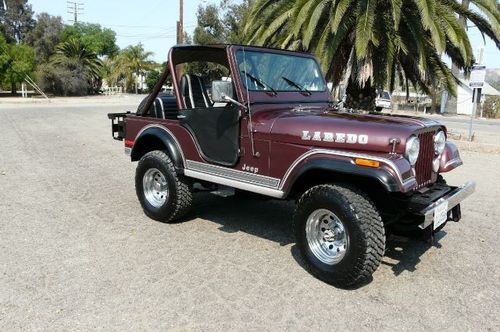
x=440, y=214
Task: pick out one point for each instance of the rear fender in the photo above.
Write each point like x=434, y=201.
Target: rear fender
x=158, y=138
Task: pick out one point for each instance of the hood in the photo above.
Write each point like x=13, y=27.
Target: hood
x=363, y=132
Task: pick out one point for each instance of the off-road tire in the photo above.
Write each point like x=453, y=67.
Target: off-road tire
x=364, y=227
x=180, y=197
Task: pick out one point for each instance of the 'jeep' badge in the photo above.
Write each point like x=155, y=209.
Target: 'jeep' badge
x=334, y=137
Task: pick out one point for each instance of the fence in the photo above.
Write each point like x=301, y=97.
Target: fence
x=113, y=90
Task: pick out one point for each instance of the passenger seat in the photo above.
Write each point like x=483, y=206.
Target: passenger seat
x=194, y=92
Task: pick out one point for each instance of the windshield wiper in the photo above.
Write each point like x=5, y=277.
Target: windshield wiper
x=297, y=85
x=260, y=82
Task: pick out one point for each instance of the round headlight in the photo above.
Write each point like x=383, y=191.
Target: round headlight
x=439, y=142
x=412, y=149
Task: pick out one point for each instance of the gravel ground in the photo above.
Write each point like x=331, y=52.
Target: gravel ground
x=77, y=252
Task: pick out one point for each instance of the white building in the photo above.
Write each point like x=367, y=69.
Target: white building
x=464, y=96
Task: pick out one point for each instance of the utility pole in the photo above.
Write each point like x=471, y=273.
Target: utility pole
x=75, y=9
x=180, y=23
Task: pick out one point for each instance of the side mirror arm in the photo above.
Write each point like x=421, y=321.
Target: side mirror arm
x=231, y=100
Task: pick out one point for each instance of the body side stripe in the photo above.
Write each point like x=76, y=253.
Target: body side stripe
x=233, y=174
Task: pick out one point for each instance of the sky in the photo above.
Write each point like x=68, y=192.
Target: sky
x=153, y=23
x=150, y=22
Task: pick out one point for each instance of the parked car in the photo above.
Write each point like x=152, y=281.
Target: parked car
x=383, y=101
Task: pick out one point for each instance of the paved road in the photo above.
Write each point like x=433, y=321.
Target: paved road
x=478, y=125
x=77, y=253
x=485, y=130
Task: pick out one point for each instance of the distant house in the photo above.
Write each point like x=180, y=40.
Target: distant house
x=464, y=96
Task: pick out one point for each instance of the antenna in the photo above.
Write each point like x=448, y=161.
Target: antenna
x=249, y=111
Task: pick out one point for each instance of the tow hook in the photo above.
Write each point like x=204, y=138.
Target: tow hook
x=456, y=213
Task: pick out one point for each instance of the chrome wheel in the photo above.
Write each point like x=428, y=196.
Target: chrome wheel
x=155, y=187
x=326, y=236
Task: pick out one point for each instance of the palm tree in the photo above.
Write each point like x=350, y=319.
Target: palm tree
x=74, y=54
x=132, y=60
x=376, y=43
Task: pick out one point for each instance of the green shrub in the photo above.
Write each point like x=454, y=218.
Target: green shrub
x=491, y=107
x=152, y=77
x=63, y=81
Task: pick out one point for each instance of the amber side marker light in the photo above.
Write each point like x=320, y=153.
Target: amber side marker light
x=367, y=163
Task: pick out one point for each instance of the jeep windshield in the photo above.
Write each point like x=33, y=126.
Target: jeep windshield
x=277, y=72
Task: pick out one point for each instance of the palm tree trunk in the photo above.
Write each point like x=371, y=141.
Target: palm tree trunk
x=136, y=80
x=360, y=98
x=433, y=101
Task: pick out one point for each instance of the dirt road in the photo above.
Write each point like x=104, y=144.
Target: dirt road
x=77, y=253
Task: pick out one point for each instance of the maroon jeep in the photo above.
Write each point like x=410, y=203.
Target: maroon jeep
x=262, y=120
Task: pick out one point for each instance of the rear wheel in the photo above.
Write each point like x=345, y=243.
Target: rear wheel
x=340, y=234
x=164, y=195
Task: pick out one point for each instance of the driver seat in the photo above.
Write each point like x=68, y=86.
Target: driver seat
x=194, y=93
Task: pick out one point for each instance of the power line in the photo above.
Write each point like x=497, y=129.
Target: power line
x=75, y=9
x=126, y=33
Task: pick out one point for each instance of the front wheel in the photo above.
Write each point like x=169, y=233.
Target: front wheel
x=340, y=234
x=164, y=195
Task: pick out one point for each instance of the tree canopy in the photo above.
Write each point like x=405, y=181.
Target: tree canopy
x=133, y=60
x=4, y=55
x=45, y=36
x=376, y=42
x=221, y=23
x=101, y=41
x=74, y=53
x=16, y=62
x=17, y=20
x=21, y=63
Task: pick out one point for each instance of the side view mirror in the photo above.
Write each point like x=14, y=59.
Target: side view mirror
x=221, y=91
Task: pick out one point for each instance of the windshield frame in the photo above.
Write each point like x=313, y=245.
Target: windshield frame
x=283, y=53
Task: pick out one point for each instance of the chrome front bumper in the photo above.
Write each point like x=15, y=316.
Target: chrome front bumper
x=454, y=198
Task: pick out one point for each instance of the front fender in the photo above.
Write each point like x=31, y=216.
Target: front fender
x=450, y=159
x=346, y=167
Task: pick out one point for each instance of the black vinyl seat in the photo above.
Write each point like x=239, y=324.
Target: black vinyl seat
x=194, y=92
x=164, y=107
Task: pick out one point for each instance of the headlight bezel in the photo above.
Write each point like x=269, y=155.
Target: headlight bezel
x=439, y=142
x=412, y=149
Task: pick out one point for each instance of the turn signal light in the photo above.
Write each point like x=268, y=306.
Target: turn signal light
x=129, y=143
x=367, y=163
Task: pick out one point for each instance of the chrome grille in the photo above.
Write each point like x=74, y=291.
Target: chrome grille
x=423, y=167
